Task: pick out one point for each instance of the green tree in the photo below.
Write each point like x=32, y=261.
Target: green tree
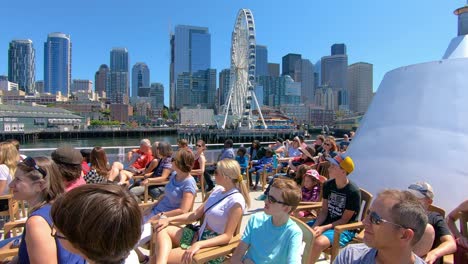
x=165, y=113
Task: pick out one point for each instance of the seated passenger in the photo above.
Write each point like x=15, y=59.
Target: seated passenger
x=396, y=221
x=143, y=156
x=461, y=255
x=99, y=222
x=100, y=169
x=242, y=159
x=125, y=176
x=272, y=237
x=85, y=153
x=278, y=147
x=311, y=190
x=222, y=214
x=38, y=181
x=258, y=167
x=341, y=204
x=437, y=240
x=198, y=169
x=68, y=160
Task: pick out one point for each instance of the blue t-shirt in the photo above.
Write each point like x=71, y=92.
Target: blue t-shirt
x=173, y=194
x=272, y=244
x=362, y=254
x=63, y=256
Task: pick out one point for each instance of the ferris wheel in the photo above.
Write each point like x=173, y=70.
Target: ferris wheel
x=242, y=75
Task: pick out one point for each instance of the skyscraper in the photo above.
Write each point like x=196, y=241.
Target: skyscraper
x=334, y=70
x=156, y=94
x=273, y=69
x=57, y=63
x=82, y=85
x=190, y=53
x=197, y=88
x=140, y=77
x=304, y=73
x=338, y=49
x=289, y=64
x=224, y=81
x=101, y=80
x=360, y=79
x=261, y=63
x=22, y=64
x=118, y=89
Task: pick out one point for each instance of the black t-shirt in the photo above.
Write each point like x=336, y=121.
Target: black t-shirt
x=339, y=200
x=440, y=228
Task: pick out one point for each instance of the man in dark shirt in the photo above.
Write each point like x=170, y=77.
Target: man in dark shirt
x=443, y=243
x=341, y=205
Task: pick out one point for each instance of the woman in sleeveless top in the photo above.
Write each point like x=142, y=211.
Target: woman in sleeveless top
x=9, y=158
x=199, y=165
x=222, y=214
x=38, y=181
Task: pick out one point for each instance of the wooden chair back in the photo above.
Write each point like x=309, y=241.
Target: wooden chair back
x=15, y=207
x=366, y=199
x=307, y=239
x=434, y=208
x=322, y=168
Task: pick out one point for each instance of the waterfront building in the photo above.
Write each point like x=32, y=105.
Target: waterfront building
x=279, y=90
x=140, y=78
x=19, y=97
x=88, y=109
x=223, y=91
x=22, y=64
x=261, y=60
x=319, y=116
x=17, y=118
x=338, y=49
x=273, y=69
x=39, y=86
x=156, y=96
x=360, y=79
x=121, y=112
x=304, y=73
x=190, y=53
x=196, y=116
x=197, y=88
x=6, y=85
x=82, y=85
x=57, y=64
x=118, y=89
x=289, y=64
x=101, y=80
x=300, y=113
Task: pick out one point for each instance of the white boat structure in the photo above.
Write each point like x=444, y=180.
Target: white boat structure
x=416, y=128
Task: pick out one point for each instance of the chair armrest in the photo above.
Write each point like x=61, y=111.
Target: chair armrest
x=157, y=183
x=309, y=206
x=138, y=177
x=350, y=226
x=9, y=226
x=8, y=254
x=206, y=254
x=6, y=196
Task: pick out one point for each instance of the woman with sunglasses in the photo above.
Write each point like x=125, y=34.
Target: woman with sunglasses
x=330, y=148
x=222, y=213
x=179, y=196
x=38, y=181
x=200, y=161
x=272, y=237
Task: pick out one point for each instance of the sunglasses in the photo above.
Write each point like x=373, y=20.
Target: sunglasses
x=273, y=200
x=199, y=146
x=55, y=234
x=418, y=188
x=327, y=144
x=377, y=220
x=30, y=162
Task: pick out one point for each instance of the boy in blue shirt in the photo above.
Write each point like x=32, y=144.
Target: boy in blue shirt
x=242, y=159
x=265, y=163
x=271, y=236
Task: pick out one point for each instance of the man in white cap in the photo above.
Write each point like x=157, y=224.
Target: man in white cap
x=442, y=242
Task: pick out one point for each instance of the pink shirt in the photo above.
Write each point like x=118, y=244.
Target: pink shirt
x=73, y=184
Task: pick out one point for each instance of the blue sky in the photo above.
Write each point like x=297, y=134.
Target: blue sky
x=388, y=34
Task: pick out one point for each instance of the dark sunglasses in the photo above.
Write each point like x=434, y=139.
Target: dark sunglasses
x=377, y=220
x=53, y=233
x=172, y=159
x=418, y=188
x=273, y=200
x=30, y=162
x=199, y=146
x=327, y=144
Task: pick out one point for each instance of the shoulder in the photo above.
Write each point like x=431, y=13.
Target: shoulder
x=356, y=253
x=353, y=187
x=258, y=219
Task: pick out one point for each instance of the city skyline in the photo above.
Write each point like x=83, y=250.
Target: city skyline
x=372, y=31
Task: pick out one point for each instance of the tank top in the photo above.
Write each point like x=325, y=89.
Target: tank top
x=63, y=256
x=196, y=164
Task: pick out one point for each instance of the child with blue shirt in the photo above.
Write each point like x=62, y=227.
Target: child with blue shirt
x=242, y=159
x=265, y=163
x=271, y=236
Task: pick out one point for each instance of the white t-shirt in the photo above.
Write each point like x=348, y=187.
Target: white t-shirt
x=5, y=176
x=217, y=216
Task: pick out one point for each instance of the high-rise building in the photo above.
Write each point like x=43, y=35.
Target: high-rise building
x=334, y=71
x=224, y=81
x=338, y=49
x=140, y=77
x=39, y=86
x=190, y=53
x=156, y=95
x=273, y=69
x=289, y=64
x=360, y=79
x=82, y=85
x=197, y=88
x=261, y=63
x=278, y=91
x=22, y=64
x=304, y=73
x=57, y=63
x=118, y=89
x=101, y=80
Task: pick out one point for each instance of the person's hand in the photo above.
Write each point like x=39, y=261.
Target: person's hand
x=188, y=254
x=160, y=224
x=430, y=258
x=155, y=218
x=462, y=241
x=129, y=155
x=318, y=230
x=145, y=182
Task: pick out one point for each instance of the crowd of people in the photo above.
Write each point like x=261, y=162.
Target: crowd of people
x=84, y=209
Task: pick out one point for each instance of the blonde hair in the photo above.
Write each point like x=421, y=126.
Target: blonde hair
x=291, y=192
x=9, y=156
x=230, y=168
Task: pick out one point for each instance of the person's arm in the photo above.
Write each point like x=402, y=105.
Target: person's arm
x=323, y=213
x=233, y=219
x=180, y=219
x=201, y=170
x=130, y=154
x=447, y=246
x=3, y=186
x=165, y=174
x=149, y=170
x=185, y=206
x=452, y=217
x=345, y=218
x=40, y=244
x=239, y=253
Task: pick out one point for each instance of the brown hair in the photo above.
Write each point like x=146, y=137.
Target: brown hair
x=291, y=193
x=332, y=142
x=9, y=156
x=184, y=160
x=301, y=171
x=231, y=168
x=183, y=143
x=164, y=149
x=407, y=212
x=53, y=180
x=98, y=160
x=321, y=137
x=102, y=221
